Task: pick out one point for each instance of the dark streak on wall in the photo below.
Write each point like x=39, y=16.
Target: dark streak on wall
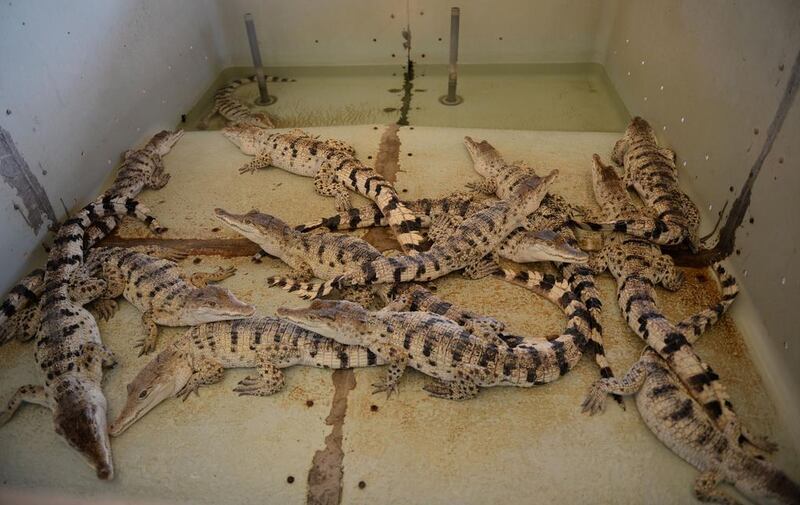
x=16, y=173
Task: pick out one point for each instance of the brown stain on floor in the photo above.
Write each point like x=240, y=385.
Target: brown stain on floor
x=387, y=163
x=325, y=475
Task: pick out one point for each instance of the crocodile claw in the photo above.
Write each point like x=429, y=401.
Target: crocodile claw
x=379, y=387
x=145, y=346
x=595, y=400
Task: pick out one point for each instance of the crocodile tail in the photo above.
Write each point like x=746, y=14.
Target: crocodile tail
x=361, y=217
x=405, y=224
x=694, y=326
x=21, y=297
x=656, y=231
x=305, y=290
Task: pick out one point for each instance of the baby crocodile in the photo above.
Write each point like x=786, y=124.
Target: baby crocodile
x=670, y=217
x=201, y=355
x=638, y=265
x=683, y=425
x=459, y=362
x=69, y=353
x=335, y=169
x=233, y=110
x=471, y=246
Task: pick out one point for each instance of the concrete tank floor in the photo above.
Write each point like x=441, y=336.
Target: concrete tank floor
x=507, y=445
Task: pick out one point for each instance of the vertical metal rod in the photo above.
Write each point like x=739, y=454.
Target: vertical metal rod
x=451, y=98
x=264, y=96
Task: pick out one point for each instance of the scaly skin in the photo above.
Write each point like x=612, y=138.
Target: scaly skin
x=460, y=362
x=335, y=169
x=521, y=246
x=320, y=255
x=670, y=216
x=201, y=355
x=69, y=353
x=142, y=168
x=682, y=424
x=467, y=247
x=638, y=266
x=555, y=213
x=233, y=110
x=161, y=291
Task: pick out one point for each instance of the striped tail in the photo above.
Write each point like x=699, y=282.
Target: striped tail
x=231, y=108
x=581, y=280
x=305, y=290
x=405, y=224
x=656, y=230
x=694, y=326
x=20, y=298
x=352, y=219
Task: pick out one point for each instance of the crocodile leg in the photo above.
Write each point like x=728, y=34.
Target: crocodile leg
x=397, y=359
x=115, y=285
x=29, y=393
x=262, y=160
x=270, y=379
x=201, y=279
x=668, y=276
x=326, y=184
x=627, y=385
x=464, y=387
x=487, y=186
x=148, y=344
x=705, y=489
x=83, y=289
x=482, y=268
x=23, y=325
x=205, y=371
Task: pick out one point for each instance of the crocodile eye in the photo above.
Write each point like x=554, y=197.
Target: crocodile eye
x=212, y=303
x=144, y=394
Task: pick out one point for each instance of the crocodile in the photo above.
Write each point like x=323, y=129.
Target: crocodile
x=321, y=255
x=470, y=246
x=673, y=415
x=141, y=168
x=521, y=246
x=202, y=354
x=555, y=214
x=69, y=353
x=638, y=266
x=161, y=291
x=335, y=169
x=670, y=217
x=459, y=362
x=233, y=110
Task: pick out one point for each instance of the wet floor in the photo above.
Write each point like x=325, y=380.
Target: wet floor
x=507, y=445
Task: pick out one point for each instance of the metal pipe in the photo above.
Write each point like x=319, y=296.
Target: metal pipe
x=451, y=98
x=264, y=97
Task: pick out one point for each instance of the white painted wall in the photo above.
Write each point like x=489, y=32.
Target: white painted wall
x=312, y=32
x=86, y=80
x=723, y=66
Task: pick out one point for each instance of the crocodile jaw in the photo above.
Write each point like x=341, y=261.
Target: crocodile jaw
x=79, y=416
x=342, y=321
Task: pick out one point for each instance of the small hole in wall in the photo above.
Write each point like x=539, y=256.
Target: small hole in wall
x=752, y=220
x=82, y=153
x=316, y=41
x=780, y=67
x=391, y=16
x=730, y=189
x=374, y=40
x=440, y=39
x=499, y=38
x=738, y=252
x=755, y=131
x=421, y=13
x=8, y=112
x=423, y=55
x=393, y=55
x=69, y=33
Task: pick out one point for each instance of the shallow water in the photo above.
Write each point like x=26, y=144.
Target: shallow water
x=563, y=97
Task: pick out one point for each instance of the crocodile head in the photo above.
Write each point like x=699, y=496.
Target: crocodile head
x=546, y=245
x=530, y=192
x=163, y=141
x=79, y=416
x=343, y=321
x=160, y=379
x=245, y=137
x=638, y=130
x=214, y=303
x=265, y=230
x=485, y=158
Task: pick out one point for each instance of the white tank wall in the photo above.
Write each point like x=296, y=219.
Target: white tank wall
x=309, y=32
x=84, y=81
x=723, y=66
